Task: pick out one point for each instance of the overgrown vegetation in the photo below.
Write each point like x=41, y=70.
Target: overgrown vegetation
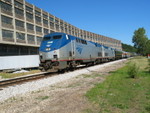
x=121, y=94
x=12, y=75
x=133, y=70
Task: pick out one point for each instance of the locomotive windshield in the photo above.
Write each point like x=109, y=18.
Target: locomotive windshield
x=57, y=37
x=46, y=38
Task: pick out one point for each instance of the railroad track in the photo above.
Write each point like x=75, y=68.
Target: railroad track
x=22, y=79
x=17, y=80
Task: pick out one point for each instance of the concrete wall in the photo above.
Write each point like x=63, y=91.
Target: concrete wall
x=15, y=62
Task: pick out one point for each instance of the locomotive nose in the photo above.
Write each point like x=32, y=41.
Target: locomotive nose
x=52, y=55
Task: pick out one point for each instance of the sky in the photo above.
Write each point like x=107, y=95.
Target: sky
x=113, y=18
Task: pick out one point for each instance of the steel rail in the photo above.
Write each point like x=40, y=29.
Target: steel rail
x=22, y=78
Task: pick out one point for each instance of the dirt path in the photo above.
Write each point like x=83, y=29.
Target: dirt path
x=65, y=97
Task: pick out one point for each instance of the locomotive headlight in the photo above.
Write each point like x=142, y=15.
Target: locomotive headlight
x=48, y=49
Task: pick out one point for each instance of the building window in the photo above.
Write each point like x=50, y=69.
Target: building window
x=8, y=1
x=30, y=26
x=19, y=12
x=66, y=25
x=61, y=23
x=57, y=26
x=19, y=23
x=52, y=31
x=69, y=27
x=7, y=35
x=18, y=4
x=51, y=19
x=46, y=31
x=5, y=6
x=30, y=16
x=29, y=9
x=20, y=37
x=37, y=13
x=31, y=39
x=62, y=28
x=45, y=16
x=12, y=50
x=39, y=39
x=38, y=29
x=33, y=51
x=24, y=50
x=69, y=31
x=6, y=20
x=38, y=19
x=66, y=30
x=45, y=21
x=3, y=50
x=51, y=24
x=56, y=21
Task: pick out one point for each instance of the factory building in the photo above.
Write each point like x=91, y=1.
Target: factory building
x=22, y=26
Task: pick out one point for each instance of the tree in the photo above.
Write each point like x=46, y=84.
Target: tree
x=140, y=41
x=147, y=47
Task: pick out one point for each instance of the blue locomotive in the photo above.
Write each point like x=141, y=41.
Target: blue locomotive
x=59, y=51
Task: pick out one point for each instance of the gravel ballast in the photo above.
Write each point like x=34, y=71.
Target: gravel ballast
x=12, y=91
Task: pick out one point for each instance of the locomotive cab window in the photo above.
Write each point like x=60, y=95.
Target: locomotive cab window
x=46, y=38
x=57, y=37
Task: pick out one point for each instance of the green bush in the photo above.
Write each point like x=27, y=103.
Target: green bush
x=133, y=70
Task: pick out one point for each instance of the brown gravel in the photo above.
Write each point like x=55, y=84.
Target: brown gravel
x=65, y=97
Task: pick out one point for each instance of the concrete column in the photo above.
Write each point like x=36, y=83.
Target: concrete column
x=25, y=21
x=0, y=27
x=14, y=25
x=34, y=22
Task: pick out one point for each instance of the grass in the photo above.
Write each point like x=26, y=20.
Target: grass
x=121, y=94
x=94, y=75
x=12, y=75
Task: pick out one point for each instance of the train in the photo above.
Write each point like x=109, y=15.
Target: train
x=60, y=51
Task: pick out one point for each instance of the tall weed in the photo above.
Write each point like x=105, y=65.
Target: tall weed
x=133, y=70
